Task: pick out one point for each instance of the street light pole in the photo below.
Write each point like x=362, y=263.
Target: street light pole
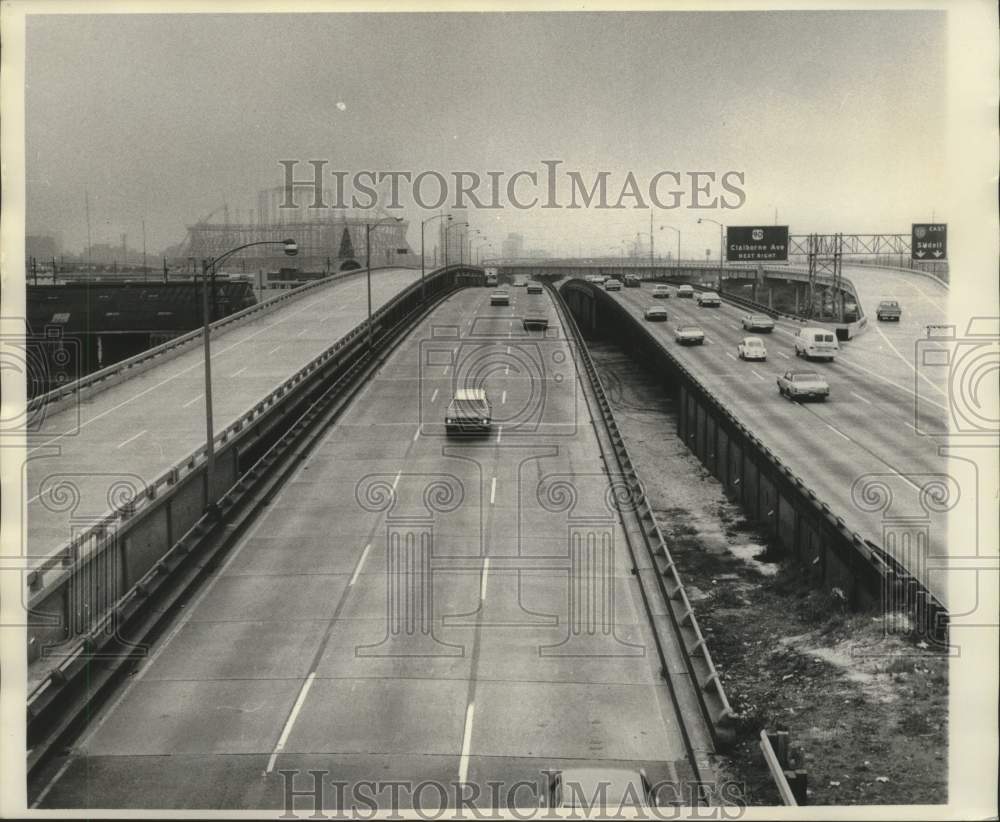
x=447, y=229
x=369, y=227
x=423, y=293
x=208, y=273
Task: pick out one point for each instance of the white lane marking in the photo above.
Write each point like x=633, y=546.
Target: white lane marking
x=303, y=331
x=783, y=354
x=482, y=583
x=360, y=565
x=503, y=398
x=274, y=349
x=493, y=490
x=861, y=398
x=445, y=372
x=416, y=434
x=193, y=400
x=395, y=482
x=463, y=764
x=886, y=380
x=909, y=364
x=835, y=431
x=508, y=349
x=730, y=356
x=499, y=434
x=758, y=376
x=434, y=396
x=290, y=721
x=135, y=437
x=237, y=373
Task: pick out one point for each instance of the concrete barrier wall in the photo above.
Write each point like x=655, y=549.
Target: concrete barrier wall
x=800, y=525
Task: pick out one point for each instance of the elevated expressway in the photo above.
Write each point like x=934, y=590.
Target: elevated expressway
x=873, y=450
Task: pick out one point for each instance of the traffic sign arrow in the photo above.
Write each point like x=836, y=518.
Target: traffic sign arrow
x=920, y=253
x=937, y=253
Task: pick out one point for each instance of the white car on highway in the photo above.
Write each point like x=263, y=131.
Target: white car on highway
x=803, y=385
x=689, y=335
x=656, y=313
x=499, y=298
x=709, y=298
x=752, y=348
x=685, y=291
x=613, y=285
x=661, y=292
x=757, y=322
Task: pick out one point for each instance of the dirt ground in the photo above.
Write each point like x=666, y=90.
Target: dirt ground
x=866, y=708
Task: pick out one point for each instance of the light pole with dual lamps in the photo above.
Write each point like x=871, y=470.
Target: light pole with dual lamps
x=678, y=241
x=208, y=275
x=369, y=228
x=423, y=294
x=722, y=243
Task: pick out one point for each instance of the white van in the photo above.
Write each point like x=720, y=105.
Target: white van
x=818, y=343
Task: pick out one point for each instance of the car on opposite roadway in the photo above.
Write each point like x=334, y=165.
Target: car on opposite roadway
x=752, y=348
x=534, y=288
x=685, y=291
x=757, y=322
x=888, y=310
x=816, y=343
x=803, y=385
x=520, y=283
x=661, y=292
x=689, y=335
x=597, y=278
x=499, y=298
x=602, y=792
x=655, y=314
x=709, y=298
x=612, y=285
x=468, y=412
x=631, y=281
x=535, y=319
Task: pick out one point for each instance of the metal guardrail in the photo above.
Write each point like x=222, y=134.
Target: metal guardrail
x=711, y=695
x=63, y=562
x=138, y=363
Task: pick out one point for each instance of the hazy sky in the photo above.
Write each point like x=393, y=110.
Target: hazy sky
x=832, y=116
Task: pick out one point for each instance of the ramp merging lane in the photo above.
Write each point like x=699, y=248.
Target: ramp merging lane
x=867, y=432
x=410, y=607
x=145, y=425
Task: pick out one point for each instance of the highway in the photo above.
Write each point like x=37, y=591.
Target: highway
x=404, y=608
x=865, y=431
x=143, y=426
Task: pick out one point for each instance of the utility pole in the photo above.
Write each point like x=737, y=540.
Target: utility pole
x=145, y=272
x=90, y=254
x=650, y=242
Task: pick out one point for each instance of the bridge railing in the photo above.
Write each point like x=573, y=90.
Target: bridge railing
x=58, y=398
x=57, y=604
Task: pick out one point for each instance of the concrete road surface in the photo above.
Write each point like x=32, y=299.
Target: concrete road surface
x=410, y=607
x=139, y=428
